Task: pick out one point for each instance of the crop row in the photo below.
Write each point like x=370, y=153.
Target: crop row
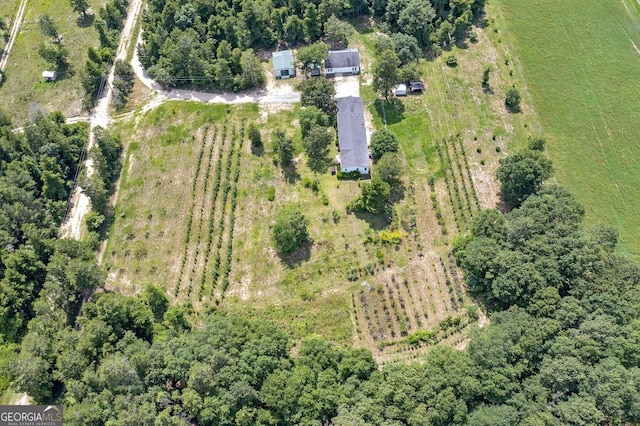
x=212, y=216
x=466, y=166
x=436, y=207
x=452, y=146
x=232, y=214
x=226, y=187
x=187, y=237
x=202, y=214
x=452, y=188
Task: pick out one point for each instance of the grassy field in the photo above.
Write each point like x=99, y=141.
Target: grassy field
x=194, y=214
x=175, y=226
x=581, y=60
x=24, y=90
x=8, y=10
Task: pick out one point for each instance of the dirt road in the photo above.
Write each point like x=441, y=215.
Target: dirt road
x=15, y=29
x=80, y=203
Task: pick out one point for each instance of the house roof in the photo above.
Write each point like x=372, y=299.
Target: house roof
x=283, y=60
x=352, y=135
x=347, y=58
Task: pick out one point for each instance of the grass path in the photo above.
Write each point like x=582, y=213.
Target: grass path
x=581, y=62
x=15, y=28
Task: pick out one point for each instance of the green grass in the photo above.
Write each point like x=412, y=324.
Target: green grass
x=582, y=70
x=9, y=397
x=24, y=89
x=8, y=10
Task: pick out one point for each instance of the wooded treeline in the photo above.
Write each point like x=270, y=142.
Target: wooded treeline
x=37, y=169
x=213, y=44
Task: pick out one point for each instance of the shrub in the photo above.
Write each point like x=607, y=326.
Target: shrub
x=355, y=175
x=313, y=184
x=271, y=195
x=254, y=135
x=391, y=237
x=537, y=144
x=452, y=61
x=485, y=76
x=353, y=274
x=512, y=100
x=290, y=230
x=94, y=221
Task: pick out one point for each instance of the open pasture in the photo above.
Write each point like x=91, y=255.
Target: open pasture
x=581, y=62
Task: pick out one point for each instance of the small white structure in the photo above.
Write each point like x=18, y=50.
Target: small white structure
x=352, y=136
x=342, y=62
x=283, y=64
x=49, y=75
x=400, y=90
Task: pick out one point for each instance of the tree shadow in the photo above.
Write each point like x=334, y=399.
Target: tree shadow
x=390, y=111
x=258, y=151
x=481, y=21
x=486, y=88
x=291, y=173
x=376, y=221
x=302, y=254
x=65, y=71
x=321, y=164
x=85, y=21
x=513, y=109
x=462, y=44
x=397, y=193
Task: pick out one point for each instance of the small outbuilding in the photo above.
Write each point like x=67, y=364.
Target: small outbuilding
x=352, y=136
x=400, y=90
x=283, y=64
x=416, y=86
x=49, y=75
x=340, y=62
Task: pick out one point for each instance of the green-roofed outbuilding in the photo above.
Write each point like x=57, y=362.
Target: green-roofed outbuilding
x=283, y=64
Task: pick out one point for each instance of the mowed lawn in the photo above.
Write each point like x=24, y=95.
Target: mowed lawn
x=582, y=69
x=24, y=91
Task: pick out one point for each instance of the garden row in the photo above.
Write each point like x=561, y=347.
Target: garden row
x=454, y=166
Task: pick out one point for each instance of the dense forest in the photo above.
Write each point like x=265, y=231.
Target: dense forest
x=214, y=44
x=37, y=169
x=562, y=348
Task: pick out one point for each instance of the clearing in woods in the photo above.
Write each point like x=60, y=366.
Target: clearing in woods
x=24, y=92
x=581, y=63
x=197, y=204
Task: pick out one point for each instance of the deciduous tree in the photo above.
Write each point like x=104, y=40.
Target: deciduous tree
x=522, y=174
x=385, y=72
x=383, y=141
x=283, y=146
x=290, y=229
x=312, y=55
x=80, y=6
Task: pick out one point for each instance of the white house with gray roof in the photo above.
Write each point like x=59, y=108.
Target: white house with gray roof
x=352, y=136
x=283, y=64
x=340, y=62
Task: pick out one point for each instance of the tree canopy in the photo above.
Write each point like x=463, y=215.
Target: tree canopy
x=522, y=174
x=383, y=141
x=189, y=43
x=290, y=229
